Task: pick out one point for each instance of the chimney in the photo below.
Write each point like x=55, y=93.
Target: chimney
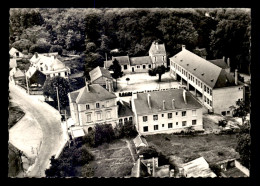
x=141, y=157
x=163, y=104
x=156, y=44
x=224, y=58
x=87, y=85
x=109, y=86
x=183, y=47
x=173, y=104
x=184, y=96
x=130, y=103
x=236, y=76
x=149, y=100
x=228, y=62
x=36, y=55
x=52, y=57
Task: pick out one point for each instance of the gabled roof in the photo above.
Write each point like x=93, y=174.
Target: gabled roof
x=99, y=72
x=30, y=71
x=122, y=60
x=124, y=109
x=12, y=63
x=139, y=141
x=208, y=72
x=57, y=65
x=13, y=51
x=141, y=60
x=93, y=93
x=18, y=73
x=220, y=63
x=197, y=168
x=156, y=100
x=157, y=49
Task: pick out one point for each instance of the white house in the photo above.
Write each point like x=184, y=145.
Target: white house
x=166, y=111
x=158, y=54
x=217, y=89
x=15, y=53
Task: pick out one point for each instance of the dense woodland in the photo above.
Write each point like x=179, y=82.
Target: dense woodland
x=92, y=33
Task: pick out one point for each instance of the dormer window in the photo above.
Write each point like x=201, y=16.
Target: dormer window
x=212, y=80
x=181, y=60
x=194, y=69
x=97, y=105
x=188, y=64
x=202, y=74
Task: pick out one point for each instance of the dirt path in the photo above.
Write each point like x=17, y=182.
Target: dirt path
x=128, y=145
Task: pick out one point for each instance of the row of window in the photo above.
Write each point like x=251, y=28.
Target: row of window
x=169, y=115
x=155, y=58
x=98, y=116
x=170, y=125
x=193, y=79
x=138, y=66
x=125, y=120
x=209, y=102
x=97, y=105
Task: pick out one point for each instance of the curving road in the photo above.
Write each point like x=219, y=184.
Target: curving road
x=49, y=121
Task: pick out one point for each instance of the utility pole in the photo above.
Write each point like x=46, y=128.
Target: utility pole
x=26, y=82
x=57, y=91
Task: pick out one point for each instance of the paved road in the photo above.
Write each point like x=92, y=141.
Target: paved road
x=49, y=121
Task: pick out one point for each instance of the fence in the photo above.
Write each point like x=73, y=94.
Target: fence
x=130, y=93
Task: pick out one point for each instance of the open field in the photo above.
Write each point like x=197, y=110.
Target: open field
x=187, y=148
x=111, y=160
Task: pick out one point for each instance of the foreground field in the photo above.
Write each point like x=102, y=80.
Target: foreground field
x=186, y=148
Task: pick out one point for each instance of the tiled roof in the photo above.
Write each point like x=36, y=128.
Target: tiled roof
x=124, y=109
x=95, y=93
x=141, y=60
x=141, y=103
x=220, y=63
x=139, y=140
x=206, y=71
x=122, y=60
x=57, y=65
x=160, y=50
x=99, y=72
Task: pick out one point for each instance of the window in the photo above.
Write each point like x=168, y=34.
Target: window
x=184, y=123
x=205, y=88
x=189, y=76
x=196, y=81
x=223, y=113
x=108, y=114
x=143, y=66
x=66, y=73
x=169, y=115
x=176, y=123
x=107, y=103
x=169, y=125
x=125, y=120
x=183, y=113
x=194, y=122
x=145, y=129
x=87, y=107
x=155, y=117
x=193, y=112
x=207, y=101
x=163, y=58
x=155, y=127
x=130, y=118
x=228, y=112
x=99, y=116
x=144, y=118
x=199, y=83
x=120, y=121
x=41, y=68
x=59, y=74
x=125, y=67
x=97, y=105
x=210, y=103
x=88, y=117
x=162, y=125
x=162, y=115
x=210, y=91
x=17, y=54
x=154, y=58
x=150, y=66
x=138, y=66
x=176, y=113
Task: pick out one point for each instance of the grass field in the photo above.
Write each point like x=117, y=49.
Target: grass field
x=111, y=160
x=187, y=148
x=14, y=161
x=15, y=114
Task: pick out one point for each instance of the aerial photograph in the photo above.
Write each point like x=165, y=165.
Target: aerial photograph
x=129, y=93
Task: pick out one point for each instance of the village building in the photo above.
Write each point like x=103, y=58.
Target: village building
x=49, y=65
x=157, y=57
x=16, y=76
x=92, y=105
x=168, y=111
x=14, y=53
x=35, y=77
x=139, y=142
x=125, y=113
x=196, y=168
x=207, y=81
x=12, y=63
x=101, y=76
x=222, y=64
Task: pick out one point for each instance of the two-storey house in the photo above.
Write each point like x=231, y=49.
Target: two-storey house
x=166, y=111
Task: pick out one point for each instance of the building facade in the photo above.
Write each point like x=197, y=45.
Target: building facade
x=92, y=105
x=212, y=85
x=166, y=111
x=157, y=53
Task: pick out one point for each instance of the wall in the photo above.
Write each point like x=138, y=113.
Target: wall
x=164, y=120
x=225, y=97
x=128, y=70
x=141, y=68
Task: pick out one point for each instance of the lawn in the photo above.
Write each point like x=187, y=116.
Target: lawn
x=14, y=161
x=15, y=114
x=111, y=160
x=187, y=148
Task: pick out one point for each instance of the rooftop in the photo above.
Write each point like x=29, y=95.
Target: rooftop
x=99, y=72
x=122, y=60
x=156, y=101
x=220, y=63
x=18, y=73
x=157, y=48
x=141, y=60
x=139, y=140
x=91, y=94
x=211, y=74
x=124, y=109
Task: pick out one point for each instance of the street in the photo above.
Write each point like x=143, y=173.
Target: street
x=49, y=121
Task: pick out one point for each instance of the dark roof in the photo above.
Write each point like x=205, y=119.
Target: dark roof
x=208, y=72
x=200, y=51
x=122, y=60
x=220, y=63
x=141, y=103
x=99, y=72
x=124, y=109
x=95, y=93
x=141, y=60
x=159, y=50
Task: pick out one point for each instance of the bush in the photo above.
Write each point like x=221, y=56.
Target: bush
x=40, y=48
x=152, y=72
x=56, y=48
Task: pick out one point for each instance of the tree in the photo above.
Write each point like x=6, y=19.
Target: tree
x=56, y=48
x=40, y=48
x=129, y=129
x=244, y=143
x=241, y=110
x=148, y=152
x=116, y=68
x=49, y=89
x=160, y=70
x=22, y=44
